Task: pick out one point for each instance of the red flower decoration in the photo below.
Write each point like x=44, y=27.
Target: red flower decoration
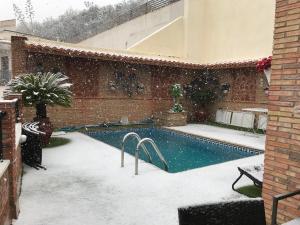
x=264, y=64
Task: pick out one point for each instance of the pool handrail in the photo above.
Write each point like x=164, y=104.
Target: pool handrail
x=151, y=141
x=138, y=139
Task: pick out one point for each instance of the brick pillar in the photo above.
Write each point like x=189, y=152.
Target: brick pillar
x=18, y=55
x=12, y=152
x=282, y=156
x=5, y=218
x=12, y=96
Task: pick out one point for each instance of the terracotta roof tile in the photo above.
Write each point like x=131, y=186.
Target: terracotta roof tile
x=61, y=48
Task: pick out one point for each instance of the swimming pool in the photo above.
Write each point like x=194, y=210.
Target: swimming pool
x=181, y=151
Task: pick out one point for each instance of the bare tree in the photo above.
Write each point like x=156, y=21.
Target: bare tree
x=26, y=19
x=29, y=13
x=20, y=17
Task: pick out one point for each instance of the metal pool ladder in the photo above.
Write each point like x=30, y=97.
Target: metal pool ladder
x=141, y=144
x=136, y=136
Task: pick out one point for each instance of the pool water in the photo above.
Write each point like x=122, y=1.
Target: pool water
x=181, y=151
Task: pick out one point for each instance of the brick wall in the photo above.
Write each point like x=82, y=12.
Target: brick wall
x=12, y=152
x=5, y=217
x=18, y=57
x=246, y=89
x=282, y=157
x=94, y=99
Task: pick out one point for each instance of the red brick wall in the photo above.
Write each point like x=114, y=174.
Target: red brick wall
x=246, y=89
x=282, y=156
x=18, y=57
x=5, y=218
x=94, y=99
x=11, y=152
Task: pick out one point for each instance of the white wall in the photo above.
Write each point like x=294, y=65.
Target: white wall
x=229, y=30
x=166, y=42
x=216, y=31
x=8, y=25
x=126, y=35
x=5, y=50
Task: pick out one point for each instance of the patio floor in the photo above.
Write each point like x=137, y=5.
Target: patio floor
x=84, y=185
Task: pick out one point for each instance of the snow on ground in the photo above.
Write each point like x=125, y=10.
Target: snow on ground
x=2, y=88
x=256, y=141
x=84, y=185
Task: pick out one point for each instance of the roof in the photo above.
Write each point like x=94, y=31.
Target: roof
x=68, y=49
x=4, y=41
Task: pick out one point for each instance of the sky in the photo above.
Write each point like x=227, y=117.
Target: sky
x=46, y=8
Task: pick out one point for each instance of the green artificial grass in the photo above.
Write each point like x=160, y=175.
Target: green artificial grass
x=57, y=141
x=250, y=191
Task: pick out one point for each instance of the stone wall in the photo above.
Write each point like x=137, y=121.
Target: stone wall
x=282, y=157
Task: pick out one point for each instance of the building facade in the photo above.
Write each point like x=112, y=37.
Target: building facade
x=5, y=50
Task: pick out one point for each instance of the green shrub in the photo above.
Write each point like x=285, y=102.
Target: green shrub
x=57, y=141
x=176, y=93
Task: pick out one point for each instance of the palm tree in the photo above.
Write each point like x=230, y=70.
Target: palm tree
x=42, y=89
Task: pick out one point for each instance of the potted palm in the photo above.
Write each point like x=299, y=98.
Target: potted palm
x=176, y=116
x=40, y=90
x=203, y=91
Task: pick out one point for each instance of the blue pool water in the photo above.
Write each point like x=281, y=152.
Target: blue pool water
x=182, y=152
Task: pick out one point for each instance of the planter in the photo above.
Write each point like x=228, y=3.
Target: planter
x=171, y=119
x=45, y=126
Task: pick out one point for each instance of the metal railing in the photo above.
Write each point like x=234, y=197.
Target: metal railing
x=136, y=136
x=2, y=114
x=133, y=13
x=276, y=199
x=149, y=140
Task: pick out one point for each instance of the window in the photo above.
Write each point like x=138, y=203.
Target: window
x=5, y=68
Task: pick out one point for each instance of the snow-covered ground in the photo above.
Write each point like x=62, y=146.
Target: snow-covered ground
x=84, y=185
x=2, y=88
x=256, y=141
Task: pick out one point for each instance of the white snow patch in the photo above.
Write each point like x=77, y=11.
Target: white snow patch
x=84, y=184
x=242, y=138
x=3, y=167
x=58, y=133
x=18, y=131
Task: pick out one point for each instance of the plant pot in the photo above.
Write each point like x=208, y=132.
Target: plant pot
x=201, y=116
x=171, y=119
x=45, y=126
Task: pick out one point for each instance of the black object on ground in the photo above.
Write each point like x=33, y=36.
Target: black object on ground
x=226, y=213
x=256, y=182
x=32, y=148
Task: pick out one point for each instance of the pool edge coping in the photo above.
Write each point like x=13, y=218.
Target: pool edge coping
x=259, y=151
